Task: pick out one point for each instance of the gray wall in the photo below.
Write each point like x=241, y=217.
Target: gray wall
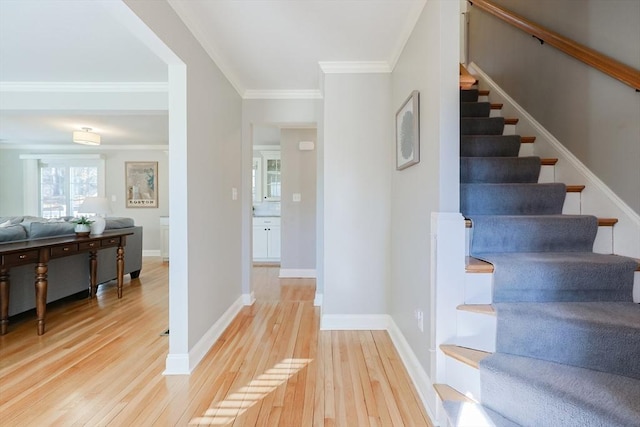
x=298, y=219
x=11, y=186
x=594, y=116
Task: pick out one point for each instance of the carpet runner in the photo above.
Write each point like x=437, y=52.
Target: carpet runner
x=568, y=333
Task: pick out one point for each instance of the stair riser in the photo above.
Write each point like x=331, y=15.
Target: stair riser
x=478, y=288
x=547, y=174
x=462, y=377
x=476, y=330
x=572, y=204
x=509, y=130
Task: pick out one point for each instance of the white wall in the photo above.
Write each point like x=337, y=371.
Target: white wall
x=358, y=161
x=205, y=116
x=298, y=251
x=425, y=197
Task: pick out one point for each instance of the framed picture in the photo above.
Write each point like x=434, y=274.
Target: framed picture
x=408, y=132
x=141, y=181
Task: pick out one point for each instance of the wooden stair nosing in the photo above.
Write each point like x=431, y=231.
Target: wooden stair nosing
x=527, y=139
x=602, y=222
x=484, y=92
x=475, y=265
x=468, y=356
x=478, y=308
x=575, y=188
x=511, y=121
x=446, y=392
x=497, y=106
x=548, y=162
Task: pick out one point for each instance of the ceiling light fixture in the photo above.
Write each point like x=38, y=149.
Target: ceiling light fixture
x=86, y=137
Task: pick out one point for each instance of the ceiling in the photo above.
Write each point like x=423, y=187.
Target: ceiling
x=266, y=48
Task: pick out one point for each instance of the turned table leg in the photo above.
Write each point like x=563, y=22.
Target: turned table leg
x=4, y=300
x=93, y=269
x=41, y=294
x=120, y=269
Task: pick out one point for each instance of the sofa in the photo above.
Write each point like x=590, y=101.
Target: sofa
x=68, y=275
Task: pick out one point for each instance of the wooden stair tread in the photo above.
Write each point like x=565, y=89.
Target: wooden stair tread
x=511, y=121
x=475, y=265
x=602, y=222
x=575, y=188
x=527, y=139
x=483, y=93
x=446, y=392
x=496, y=106
x=465, y=355
x=478, y=308
x=548, y=162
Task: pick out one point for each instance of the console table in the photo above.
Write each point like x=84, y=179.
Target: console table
x=40, y=251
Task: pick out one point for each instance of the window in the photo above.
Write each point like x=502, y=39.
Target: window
x=63, y=182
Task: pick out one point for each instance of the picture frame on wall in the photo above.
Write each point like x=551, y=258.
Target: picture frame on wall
x=408, y=132
x=141, y=184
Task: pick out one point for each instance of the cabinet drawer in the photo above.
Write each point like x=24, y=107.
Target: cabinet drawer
x=90, y=246
x=64, y=250
x=19, y=258
x=111, y=241
x=265, y=221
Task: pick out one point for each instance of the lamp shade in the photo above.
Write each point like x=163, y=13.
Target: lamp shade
x=95, y=205
x=98, y=206
x=86, y=137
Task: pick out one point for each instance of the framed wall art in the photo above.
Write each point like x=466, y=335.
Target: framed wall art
x=141, y=181
x=408, y=132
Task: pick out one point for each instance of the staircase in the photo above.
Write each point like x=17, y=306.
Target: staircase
x=549, y=334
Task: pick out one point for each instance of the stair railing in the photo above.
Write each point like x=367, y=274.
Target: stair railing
x=622, y=72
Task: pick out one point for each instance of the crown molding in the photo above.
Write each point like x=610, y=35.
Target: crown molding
x=354, y=67
x=212, y=51
x=282, y=94
x=84, y=87
x=75, y=147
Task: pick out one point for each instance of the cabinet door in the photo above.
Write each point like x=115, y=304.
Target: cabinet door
x=260, y=242
x=272, y=179
x=274, y=242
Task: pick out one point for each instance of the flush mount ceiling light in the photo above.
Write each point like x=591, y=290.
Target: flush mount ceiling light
x=86, y=137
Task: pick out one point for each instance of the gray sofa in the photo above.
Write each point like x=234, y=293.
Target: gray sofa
x=69, y=275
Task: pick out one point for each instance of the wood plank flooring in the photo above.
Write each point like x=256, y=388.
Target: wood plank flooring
x=100, y=363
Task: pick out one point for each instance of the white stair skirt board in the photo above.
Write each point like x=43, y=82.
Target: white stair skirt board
x=462, y=377
x=476, y=330
x=286, y=273
x=547, y=174
x=184, y=364
x=478, y=288
x=355, y=322
x=572, y=204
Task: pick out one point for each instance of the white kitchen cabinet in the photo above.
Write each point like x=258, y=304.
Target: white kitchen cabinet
x=266, y=239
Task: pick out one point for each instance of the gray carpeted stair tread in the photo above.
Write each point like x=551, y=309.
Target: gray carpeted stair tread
x=490, y=145
x=512, y=199
x=470, y=414
x=532, y=233
x=481, y=125
x=534, y=392
x=560, y=276
x=607, y=334
x=475, y=109
x=469, y=95
x=485, y=170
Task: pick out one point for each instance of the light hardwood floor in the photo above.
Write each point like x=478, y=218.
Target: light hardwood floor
x=101, y=361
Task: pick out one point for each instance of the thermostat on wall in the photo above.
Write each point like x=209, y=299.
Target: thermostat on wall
x=306, y=145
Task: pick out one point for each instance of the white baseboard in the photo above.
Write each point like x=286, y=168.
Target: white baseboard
x=354, y=322
x=249, y=299
x=416, y=372
x=150, y=252
x=286, y=273
x=181, y=364
x=317, y=302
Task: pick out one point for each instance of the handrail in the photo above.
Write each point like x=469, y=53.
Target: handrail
x=626, y=74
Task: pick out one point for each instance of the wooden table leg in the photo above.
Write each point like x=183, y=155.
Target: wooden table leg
x=120, y=269
x=4, y=300
x=41, y=294
x=93, y=271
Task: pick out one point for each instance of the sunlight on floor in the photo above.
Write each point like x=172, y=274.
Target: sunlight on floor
x=235, y=404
